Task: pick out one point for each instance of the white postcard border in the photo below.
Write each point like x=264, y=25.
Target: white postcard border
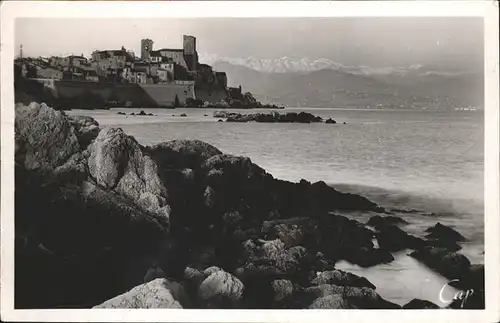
x=95, y=9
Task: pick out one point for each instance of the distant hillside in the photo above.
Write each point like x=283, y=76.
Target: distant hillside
x=330, y=87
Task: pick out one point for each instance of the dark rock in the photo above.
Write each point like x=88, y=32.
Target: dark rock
x=220, y=120
x=282, y=288
x=183, y=153
x=205, y=115
x=368, y=257
x=330, y=120
x=334, y=301
x=302, y=117
x=362, y=298
x=121, y=113
x=471, y=285
x=142, y=113
x=420, y=304
x=154, y=273
x=224, y=114
x=159, y=293
x=202, y=257
x=150, y=114
x=376, y=221
x=221, y=290
x=449, y=245
x=392, y=238
x=115, y=213
x=341, y=278
x=442, y=232
x=86, y=129
x=292, y=232
x=450, y=264
x=183, y=115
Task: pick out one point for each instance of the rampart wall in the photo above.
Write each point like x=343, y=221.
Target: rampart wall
x=138, y=94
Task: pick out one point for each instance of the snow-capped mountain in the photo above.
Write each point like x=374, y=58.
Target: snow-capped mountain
x=301, y=65
x=309, y=85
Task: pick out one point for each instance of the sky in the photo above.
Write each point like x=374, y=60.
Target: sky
x=445, y=42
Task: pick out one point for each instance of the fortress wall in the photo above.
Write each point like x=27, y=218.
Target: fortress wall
x=69, y=89
x=148, y=94
x=211, y=96
x=164, y=94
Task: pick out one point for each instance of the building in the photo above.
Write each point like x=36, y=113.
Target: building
x=146, y=48
x=49, y=73
x=77, y=60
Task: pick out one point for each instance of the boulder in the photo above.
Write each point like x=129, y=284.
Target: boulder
x=159, y=293
x=472, y=286
x=117, y=162
x=341, y=278
x=210, y=270
x=377, y=221
x=391, y=237
x=154, y=273
x=282, y=288
x=447, y=244
x=86, y=129
x=44, y=137
x=442, y=232
x=221, y=290
x=362, y=298
x=334, y=301
x=449, y=264
x=330, y=120
x=292, y=232
x=368, y=257
x=183, y=153
x=420, y=304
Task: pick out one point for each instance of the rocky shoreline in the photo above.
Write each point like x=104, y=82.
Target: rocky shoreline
x=272, y=117
x=102, y=221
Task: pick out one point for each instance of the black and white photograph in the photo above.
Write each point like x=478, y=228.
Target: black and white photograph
x=250, y=163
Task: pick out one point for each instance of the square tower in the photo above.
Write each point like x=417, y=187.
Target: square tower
x=190, y=54
x=146, y=48
x=189, y=45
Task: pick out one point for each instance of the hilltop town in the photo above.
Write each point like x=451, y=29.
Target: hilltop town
x=168, y=77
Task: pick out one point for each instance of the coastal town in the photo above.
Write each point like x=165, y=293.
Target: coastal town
x=169, y=76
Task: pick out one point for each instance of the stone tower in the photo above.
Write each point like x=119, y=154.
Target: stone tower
x=190, y=54
x=146, y=48
x=189, y=45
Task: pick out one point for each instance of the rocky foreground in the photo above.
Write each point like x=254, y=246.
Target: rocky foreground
x=102, y=221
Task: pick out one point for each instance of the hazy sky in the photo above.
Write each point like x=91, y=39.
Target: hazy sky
x=454, y=42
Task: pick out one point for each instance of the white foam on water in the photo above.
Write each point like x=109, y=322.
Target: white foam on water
x=404, y=279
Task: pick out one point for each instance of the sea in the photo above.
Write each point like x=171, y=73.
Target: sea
x=425, y=166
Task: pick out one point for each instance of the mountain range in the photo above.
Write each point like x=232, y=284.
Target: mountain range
x=324, y=83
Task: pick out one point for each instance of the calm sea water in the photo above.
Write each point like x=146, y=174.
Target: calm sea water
x=432, y=162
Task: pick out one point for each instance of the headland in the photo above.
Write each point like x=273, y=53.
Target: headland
x=159, y=78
